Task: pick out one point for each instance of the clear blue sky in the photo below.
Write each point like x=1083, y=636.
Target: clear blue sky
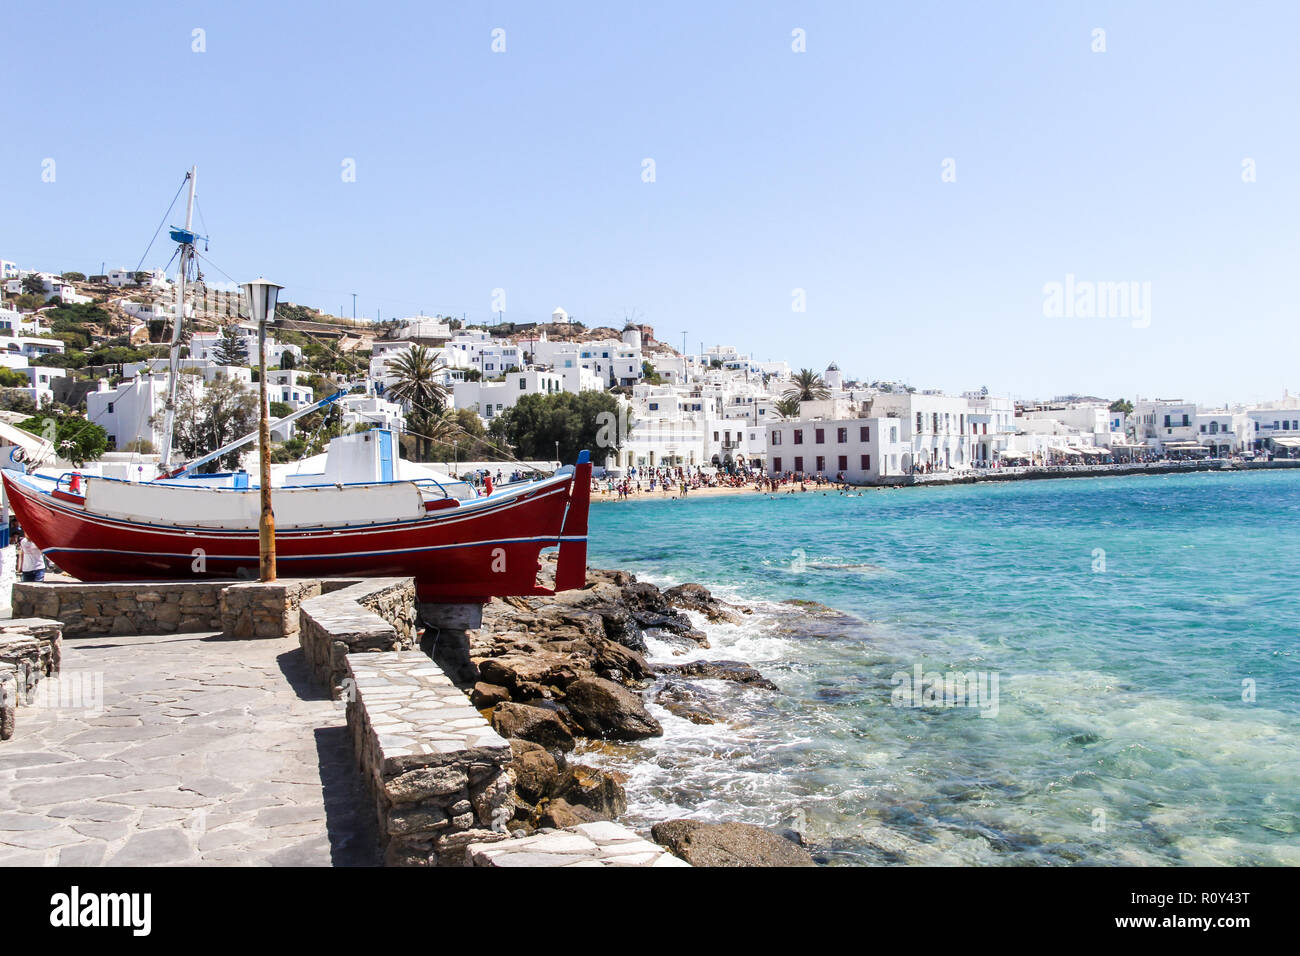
x=775, y=170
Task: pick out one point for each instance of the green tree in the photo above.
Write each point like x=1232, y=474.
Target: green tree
x=74, y=276
x=1122, y=405
x=72, y=338
x=72, y=358
x=30, y=301
x=649, y=375
x=416, y=387
x=787, y=408
x=33, y=285
x=467, y=439
x=12, y=378
x=590, y=420
x=808, y=386
x=230, y=348
x=74, y=438
x=77, y=314
x=207, y=418
x=16, y=400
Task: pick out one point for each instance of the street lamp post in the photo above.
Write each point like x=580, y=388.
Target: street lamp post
x=262, y=295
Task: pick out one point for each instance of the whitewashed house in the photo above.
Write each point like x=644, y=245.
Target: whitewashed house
x=490, y=399
x=127, y=411
x=861, y=450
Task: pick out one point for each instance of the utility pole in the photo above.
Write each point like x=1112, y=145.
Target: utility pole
x=354, y=306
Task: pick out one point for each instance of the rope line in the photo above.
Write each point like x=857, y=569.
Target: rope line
x=165, y=217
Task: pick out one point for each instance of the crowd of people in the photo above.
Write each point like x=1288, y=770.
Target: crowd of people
x=680, y=481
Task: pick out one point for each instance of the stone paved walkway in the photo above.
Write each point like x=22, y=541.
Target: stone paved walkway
x=206, y=752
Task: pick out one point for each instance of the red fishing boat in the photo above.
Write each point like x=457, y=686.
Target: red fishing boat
x=352, y=520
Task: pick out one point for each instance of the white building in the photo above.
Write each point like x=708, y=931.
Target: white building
x=1273, y=430
x=1224, y=432
x=33, y=347
x=934, y=427
x=52, y=286
x=42, y=379
x=152, y=278
x=371, y=410
x=288, y=386
x=128, y=411
x=861, y=450
x=991, y=420
x=1168, y=426
x=490, y=399
x=424, y=331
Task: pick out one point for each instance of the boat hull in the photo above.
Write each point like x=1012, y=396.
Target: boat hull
x=469, y=552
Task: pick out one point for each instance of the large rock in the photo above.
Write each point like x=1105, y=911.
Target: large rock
x=598, y=790
x=526, y=675
x=605, y=709
x=728, y=844
x=538, y=724
x=696, y=597
x=678, y=699
x=620, y=626
x=671, y=622
x=484, y=695
x=617, y=662
x=560, y=814
x=534, y=770
x=737, y=671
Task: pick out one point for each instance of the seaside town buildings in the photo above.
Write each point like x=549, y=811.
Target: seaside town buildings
x=717, y=408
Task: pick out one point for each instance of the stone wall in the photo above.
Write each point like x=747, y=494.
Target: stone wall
x=99, y=610
x=270, y=610
x=394, y=601
x=432, y=765
x=371, y=615
x=30, y=649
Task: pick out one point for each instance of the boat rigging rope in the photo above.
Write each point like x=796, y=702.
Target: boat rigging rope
x=166, y=215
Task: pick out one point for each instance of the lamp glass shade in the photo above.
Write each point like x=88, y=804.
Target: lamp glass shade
x=262, y=295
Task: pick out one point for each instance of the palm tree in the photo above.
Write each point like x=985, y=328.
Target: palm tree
x=808, y=387
x=787, y=408
x=417, y=388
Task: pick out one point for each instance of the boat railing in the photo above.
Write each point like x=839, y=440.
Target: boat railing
x=424, y=484
x=64, y=481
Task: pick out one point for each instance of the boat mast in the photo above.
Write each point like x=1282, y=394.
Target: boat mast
x=186, y=239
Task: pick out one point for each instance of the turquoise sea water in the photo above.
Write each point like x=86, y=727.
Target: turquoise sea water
x=1124, y=620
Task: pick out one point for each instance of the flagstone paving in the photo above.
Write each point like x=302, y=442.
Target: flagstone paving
x=205, y=751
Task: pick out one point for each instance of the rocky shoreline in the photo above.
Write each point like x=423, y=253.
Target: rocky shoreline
x=554, y=671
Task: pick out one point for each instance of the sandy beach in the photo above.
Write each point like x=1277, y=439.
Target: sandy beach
x=647, y=495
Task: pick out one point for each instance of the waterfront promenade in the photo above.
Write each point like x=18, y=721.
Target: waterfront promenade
x=205, y=751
